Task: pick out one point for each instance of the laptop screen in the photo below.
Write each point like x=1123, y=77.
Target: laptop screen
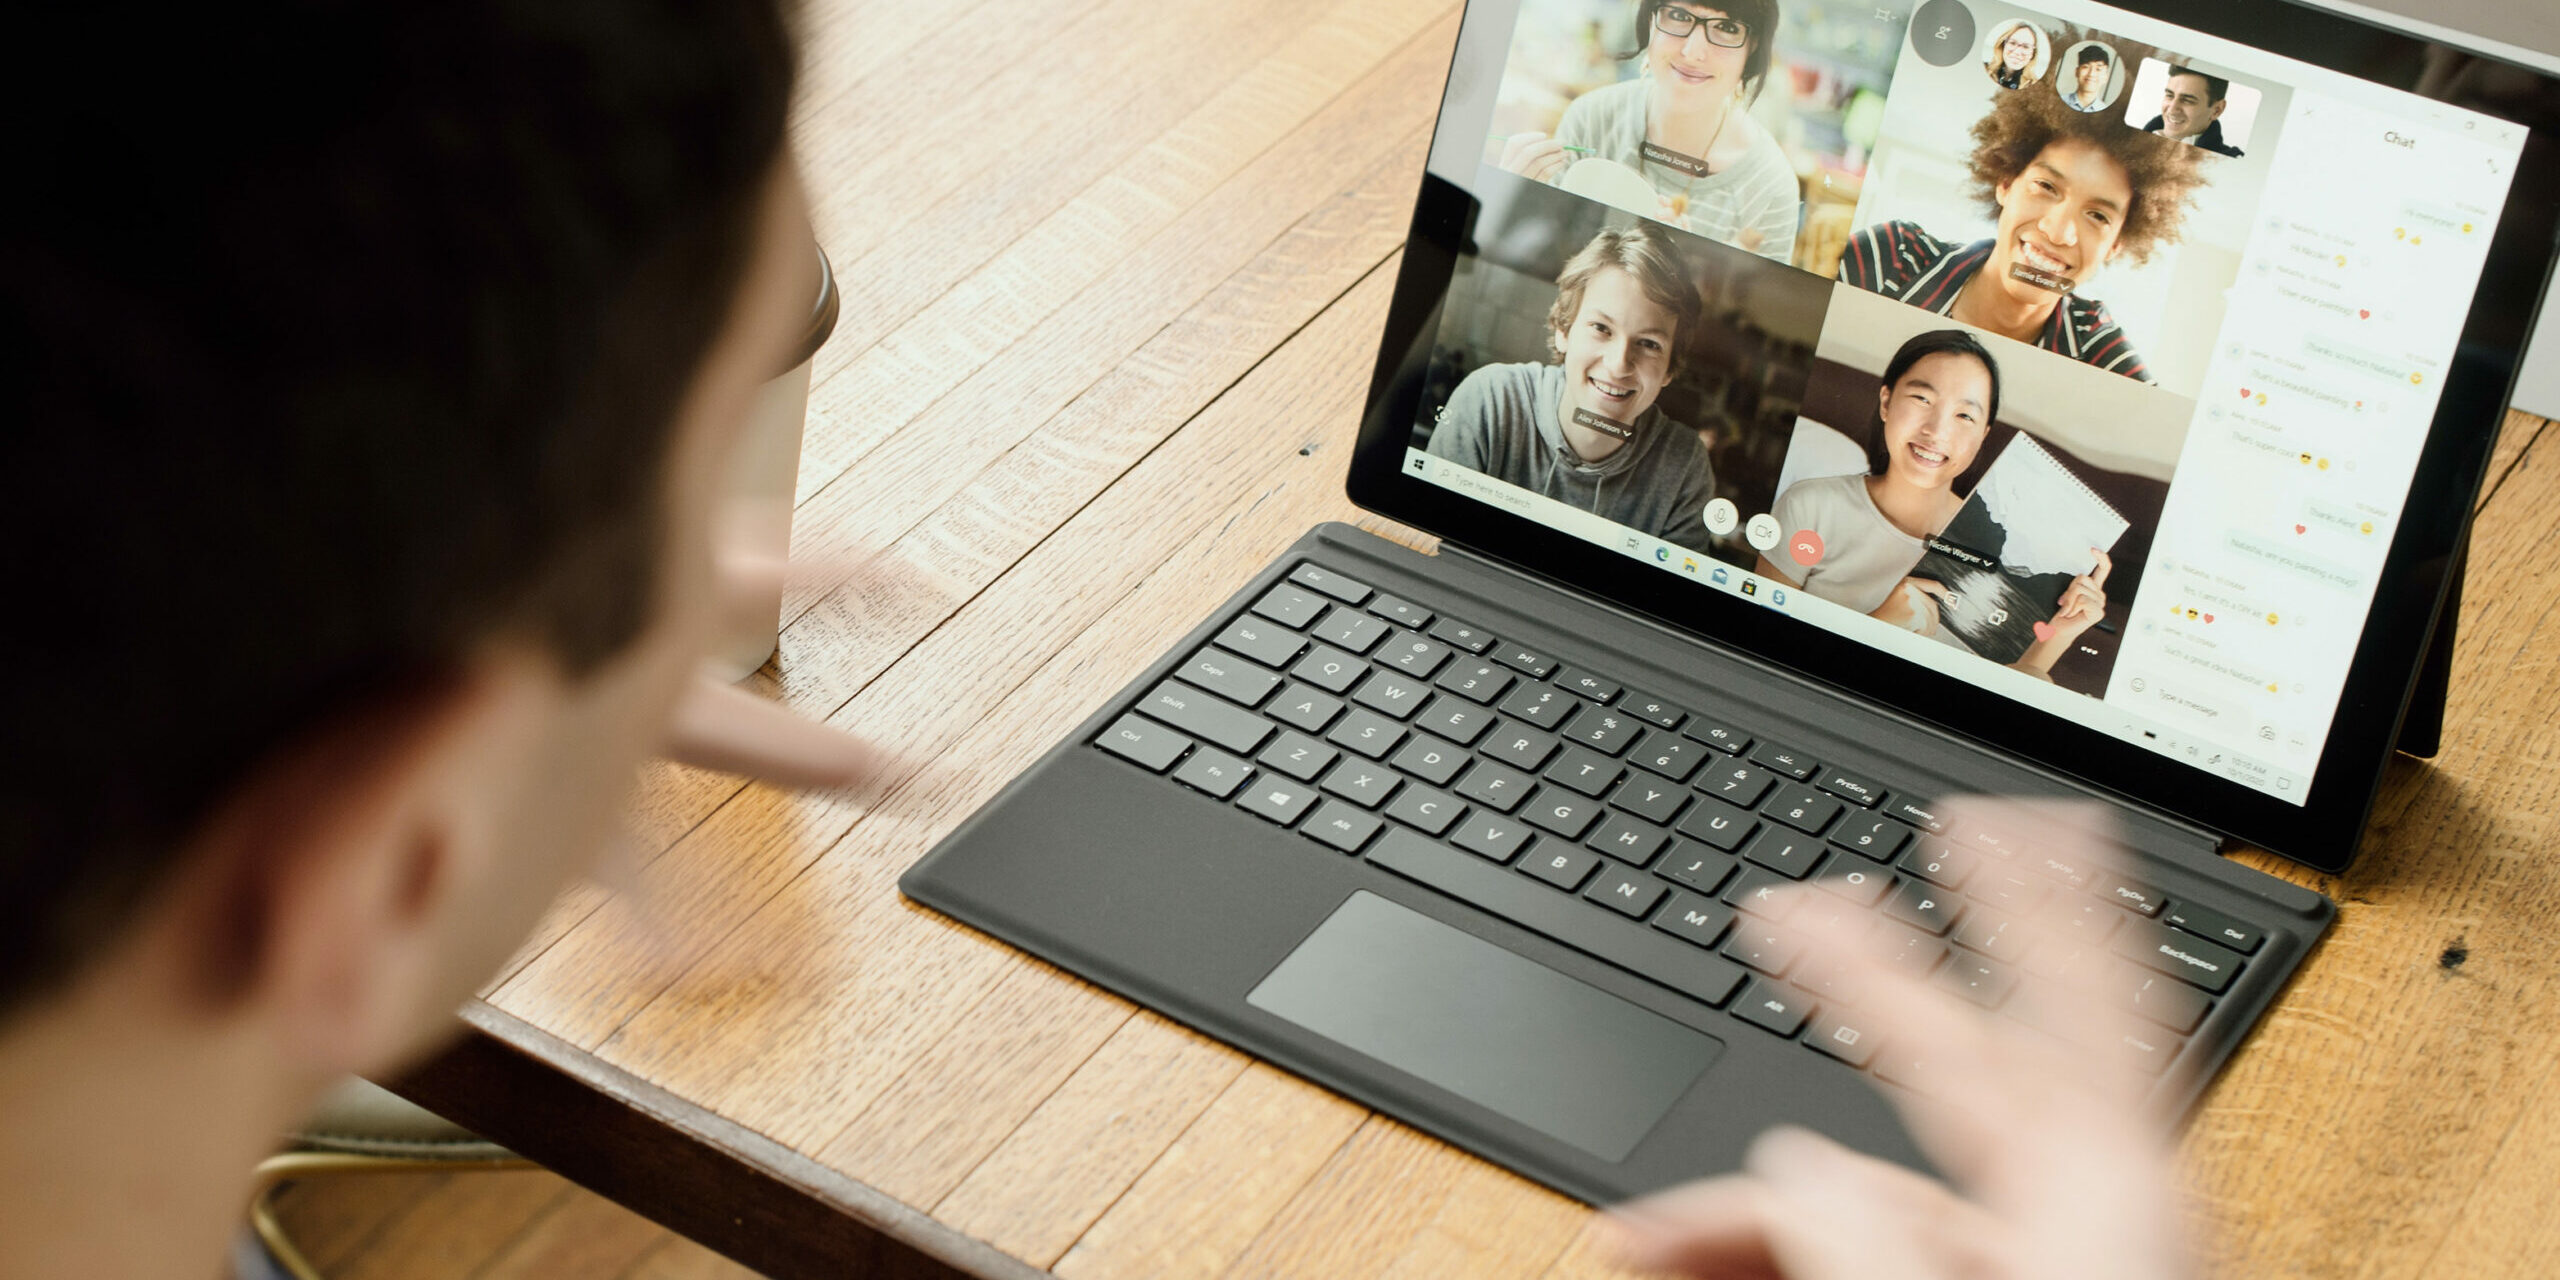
x=2080, y=357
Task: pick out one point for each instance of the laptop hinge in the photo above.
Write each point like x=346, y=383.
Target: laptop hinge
x=2204, y=839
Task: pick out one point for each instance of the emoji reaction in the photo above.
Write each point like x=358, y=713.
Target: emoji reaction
x=2365, y=528
x=2417, y=379
x=2271, y=619
x=2323, y=464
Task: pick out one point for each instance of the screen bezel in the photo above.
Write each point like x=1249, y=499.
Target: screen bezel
x=2323, y=832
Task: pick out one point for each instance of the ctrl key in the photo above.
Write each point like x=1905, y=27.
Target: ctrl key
x=1143, y=742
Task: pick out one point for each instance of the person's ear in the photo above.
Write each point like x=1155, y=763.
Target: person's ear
x=1884, y=398
x=317, y=895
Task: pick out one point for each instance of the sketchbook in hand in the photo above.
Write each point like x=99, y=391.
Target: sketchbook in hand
x=2014, y=548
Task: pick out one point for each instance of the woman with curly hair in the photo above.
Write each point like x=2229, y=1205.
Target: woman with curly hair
x=1685, y=125
x=2071, y=193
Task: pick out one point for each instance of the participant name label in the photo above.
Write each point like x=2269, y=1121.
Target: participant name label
x=1605, y=426
x=1669, y=159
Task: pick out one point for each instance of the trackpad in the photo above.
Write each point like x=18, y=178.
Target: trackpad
x=1505, y=1032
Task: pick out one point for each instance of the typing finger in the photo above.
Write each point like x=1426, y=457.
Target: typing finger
x=724, y=728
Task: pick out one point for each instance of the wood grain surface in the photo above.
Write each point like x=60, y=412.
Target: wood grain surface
x=1110, y=307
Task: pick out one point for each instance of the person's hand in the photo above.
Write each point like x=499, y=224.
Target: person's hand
x=1914, y=604
x=723, y=728
x=1535, y=156
x=2054, y=1172
x=2082, y=604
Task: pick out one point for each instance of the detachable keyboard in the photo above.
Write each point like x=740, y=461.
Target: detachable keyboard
x=1650, y=836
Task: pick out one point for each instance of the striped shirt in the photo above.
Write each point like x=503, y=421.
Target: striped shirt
x=1899, y=260
x=1752, y=203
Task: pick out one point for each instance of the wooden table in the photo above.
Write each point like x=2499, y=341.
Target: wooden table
x=1113, y=270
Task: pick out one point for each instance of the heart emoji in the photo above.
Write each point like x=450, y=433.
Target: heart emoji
x=2244, y=393
x=2297, y=528
x=2044, y=631
x=2208, y=617
x=2363, y=313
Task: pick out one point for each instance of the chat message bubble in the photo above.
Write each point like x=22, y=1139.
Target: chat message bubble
x=2301, y=565
x=2340, y=517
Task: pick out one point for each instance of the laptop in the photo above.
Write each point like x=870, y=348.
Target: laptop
x=1823, y=412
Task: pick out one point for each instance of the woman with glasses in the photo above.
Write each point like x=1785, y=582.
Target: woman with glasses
x=2015, y=54
x=1684, y=124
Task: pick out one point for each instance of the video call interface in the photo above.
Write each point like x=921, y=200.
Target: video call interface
x=2081, y=357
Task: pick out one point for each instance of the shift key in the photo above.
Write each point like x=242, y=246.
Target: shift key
x=1194, y=712
x=1533, y=906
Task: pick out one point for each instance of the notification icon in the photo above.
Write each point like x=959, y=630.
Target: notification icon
x=1805, y=547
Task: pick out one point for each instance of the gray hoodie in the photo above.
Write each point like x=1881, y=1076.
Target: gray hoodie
x=1503, y=421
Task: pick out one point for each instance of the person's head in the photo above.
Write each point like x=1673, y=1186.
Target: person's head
x=2090, y=71
x=1706, y=51
x=1941, y=394
x=2072, y=191
x=2190, y=101
x=2017, y=47
x=1625, y=304
x=368, y=417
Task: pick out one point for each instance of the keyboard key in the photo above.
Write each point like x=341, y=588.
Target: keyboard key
x=1229, y=677
x=1490, y=835
x=1787, y=760
x=1329, y=669
x=1625, y=891
x=1341, y=826
x=2207, y=923
x=1367, y=732
x=1685, y=969
x=1842, y=1035
x=1539, y=705
x=2066, y=958
x=2179, y=954
x=1528, y=662
x=1262, y=642
x=1330, y=583
x=1715, y=733
x=1391, y=693
x=1852, y=788
x=1610, y=731
x=1204, y=716
x=1978, y=980
x=1646, y=707
x=1923, y=816
x=1215, y=772
x=1303, y=707
x=1789, y=853
x=1908, y=950
x=1430, y=759
x=1650, y=798
x=1763, y=893
x=1998, y=936
x=1459, y=634
x=2163, y=999
x=1351, y=629
x=1941, y=864
x=1596, y=688
x=1414, y=655
x=1518, y=745
x=1925, y=906
x=1717, y=823
x=1361, y=783
x=1427, y=810
x=1400, y=612
x=1877, y=838
x=1667, y=754
x=1695, y=920
x=1627, y=840
x=1588, y=772
x=2133, y=895
x=1494, y=783
x=2092, y=922
x=1143, y=743
x=1289, y=606
x=1455, y=720
x=1297, y=755
x=1560, y=865
x=1860, y=884
x=2147, y=1052
x=1803, y=808
x=2010, y=890
x=1758, y=945
x=1736, y=784
x=1773, y=1007
x=2071, y=871
x=1561, y=812
x=1475, y=681
x=1696, y=866
x=1278, y=799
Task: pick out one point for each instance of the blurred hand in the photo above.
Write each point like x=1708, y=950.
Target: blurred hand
x=1535, y=156
x=721, y=727
x=2056, y=1175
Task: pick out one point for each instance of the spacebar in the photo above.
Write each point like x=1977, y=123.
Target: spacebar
x=1576, y=924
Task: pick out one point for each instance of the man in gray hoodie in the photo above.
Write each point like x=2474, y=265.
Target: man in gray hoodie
x=1585, y=431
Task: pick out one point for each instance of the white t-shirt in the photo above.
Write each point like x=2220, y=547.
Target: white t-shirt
x=1863, y=555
